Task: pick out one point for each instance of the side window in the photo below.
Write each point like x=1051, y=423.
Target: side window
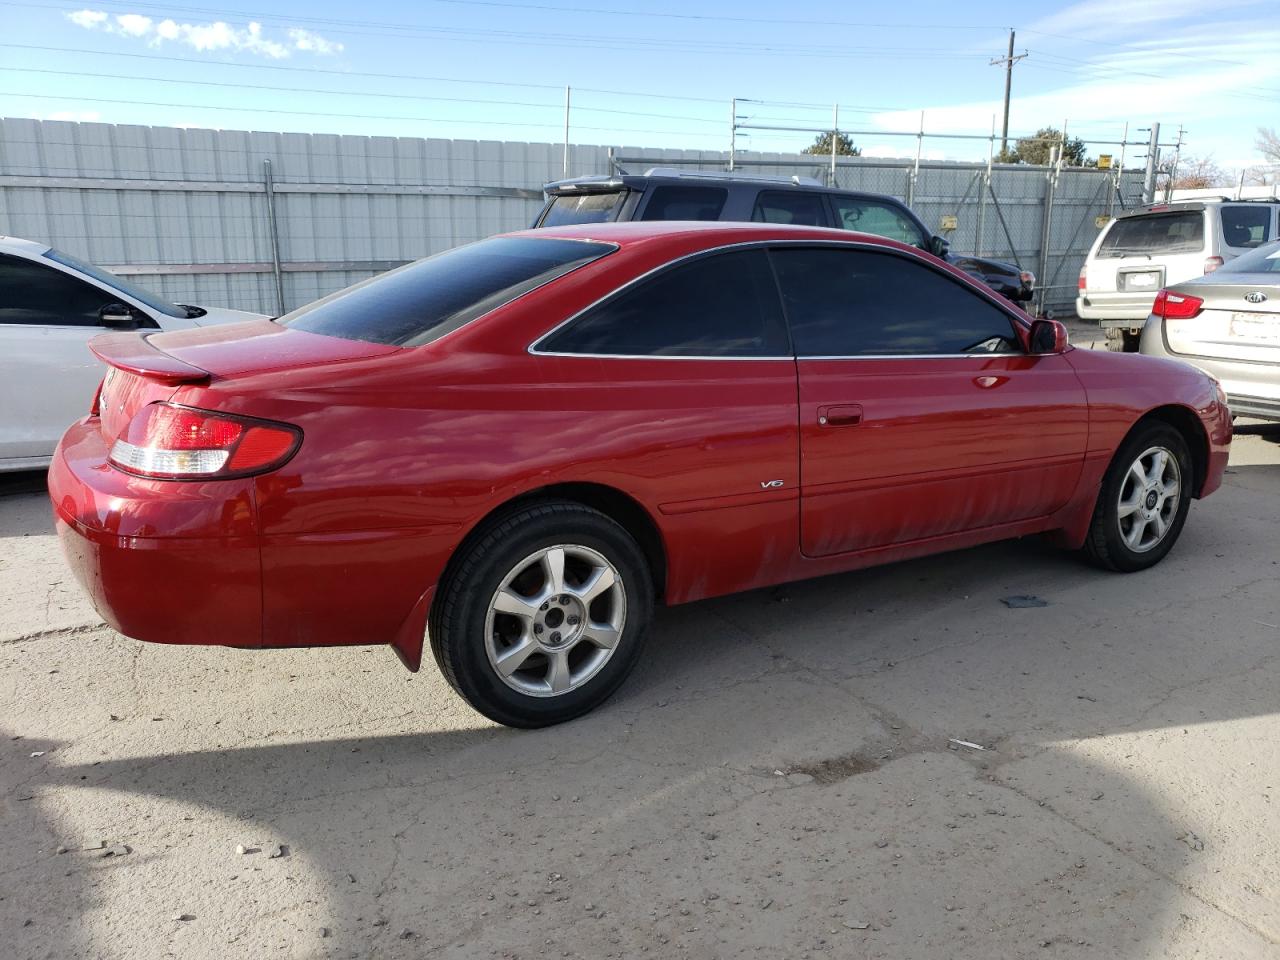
x=723, y=305
x=1246, y=226
x=849, y=303
x=882, y=219
x=33, y=294
x=782, y=206
x=685, y=203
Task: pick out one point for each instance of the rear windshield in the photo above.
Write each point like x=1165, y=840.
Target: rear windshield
x=424, y=300
x=1246, y=226
x=1263, y=260
x=1155, y=233
x=582, y=208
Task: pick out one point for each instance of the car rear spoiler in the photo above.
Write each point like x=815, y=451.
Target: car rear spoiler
x=133, y=353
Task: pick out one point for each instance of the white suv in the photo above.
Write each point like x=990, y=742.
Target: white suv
x=1157, y=246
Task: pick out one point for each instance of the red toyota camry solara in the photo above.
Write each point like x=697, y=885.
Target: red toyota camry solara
x=511, y=449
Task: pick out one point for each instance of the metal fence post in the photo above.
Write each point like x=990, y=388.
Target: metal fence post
x=269, y=185
x=1046, y=229
x=733, y=131
x=566, y=131
x=835, y=135
x=980, y=238
x=915, y=170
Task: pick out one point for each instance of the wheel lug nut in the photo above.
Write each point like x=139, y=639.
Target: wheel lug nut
x=544, y=606
x=537, y=628
x=555, y=637
x=564, y=600
x=574, y=621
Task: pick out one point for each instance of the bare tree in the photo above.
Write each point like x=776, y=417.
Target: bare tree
x=1268, y=144
x=1196, y=173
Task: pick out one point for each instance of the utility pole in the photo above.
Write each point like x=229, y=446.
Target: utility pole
x=1153, y=164
x=1007, y=62
x=1173, y=167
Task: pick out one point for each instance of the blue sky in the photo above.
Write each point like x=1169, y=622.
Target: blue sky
x=659, y=74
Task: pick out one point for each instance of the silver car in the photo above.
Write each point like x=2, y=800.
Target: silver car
x=1227, y=323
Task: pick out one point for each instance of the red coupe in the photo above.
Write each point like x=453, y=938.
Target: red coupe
x=512, y=449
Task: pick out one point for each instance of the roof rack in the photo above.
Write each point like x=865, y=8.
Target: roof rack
x=730, y=175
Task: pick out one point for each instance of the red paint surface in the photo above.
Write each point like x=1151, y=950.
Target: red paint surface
x=406, y=451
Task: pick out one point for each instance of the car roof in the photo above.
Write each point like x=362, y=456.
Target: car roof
x=19, y=246
x=705, y=234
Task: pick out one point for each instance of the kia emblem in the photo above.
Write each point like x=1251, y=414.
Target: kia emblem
x=1256, y=296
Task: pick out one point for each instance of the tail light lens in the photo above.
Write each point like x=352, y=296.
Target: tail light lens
x=169, y=442
x=1084, y=275
x=1176, y=306
x=1212, y=263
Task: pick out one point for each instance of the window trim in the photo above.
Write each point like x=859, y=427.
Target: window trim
x=1017, y=322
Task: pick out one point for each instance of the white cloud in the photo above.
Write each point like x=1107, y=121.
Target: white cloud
x=313, y=42
x=204, y=37
x=89, y=19
x=133, y=24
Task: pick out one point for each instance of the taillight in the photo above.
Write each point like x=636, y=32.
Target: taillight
x=1176, y=306
x=170, y=442
x=1212, y=263
x=1084, y=273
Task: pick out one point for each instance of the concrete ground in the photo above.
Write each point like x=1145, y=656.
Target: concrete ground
x=775, y=780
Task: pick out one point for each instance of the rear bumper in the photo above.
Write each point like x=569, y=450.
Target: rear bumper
x=185, y=562
x=1115, y=306
x=199, y=582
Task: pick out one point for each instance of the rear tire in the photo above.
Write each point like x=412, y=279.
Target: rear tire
x=1143, y=503
x=543, y=615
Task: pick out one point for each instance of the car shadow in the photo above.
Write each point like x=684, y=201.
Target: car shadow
x=471, y=842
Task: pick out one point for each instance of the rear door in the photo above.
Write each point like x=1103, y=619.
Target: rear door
x=920, y=414
x=47, y=374
x=798, y=207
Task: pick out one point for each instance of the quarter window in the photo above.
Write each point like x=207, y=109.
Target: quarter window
x=849, y=303
x=780, y=206
x=36, y=295
x=723, y=305
x=685, y=203
x=1245, y=226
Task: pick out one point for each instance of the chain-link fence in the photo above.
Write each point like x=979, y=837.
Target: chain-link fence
x=268, y=221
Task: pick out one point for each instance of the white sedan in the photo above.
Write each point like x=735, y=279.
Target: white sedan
x=51, y=306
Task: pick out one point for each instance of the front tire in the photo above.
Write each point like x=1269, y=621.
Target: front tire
x=1144, y=500
x=543, y=615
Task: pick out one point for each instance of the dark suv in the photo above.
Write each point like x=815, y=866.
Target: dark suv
x=664, y=194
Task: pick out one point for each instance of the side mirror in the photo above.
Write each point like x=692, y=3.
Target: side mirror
x=939, y=246
x=117, y=316
x=1048, y=336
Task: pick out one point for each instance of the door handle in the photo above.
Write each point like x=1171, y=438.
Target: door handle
x=840, y=415
x=987, y=382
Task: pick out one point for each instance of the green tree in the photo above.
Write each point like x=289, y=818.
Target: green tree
x=844, y=145
x=1038, y=148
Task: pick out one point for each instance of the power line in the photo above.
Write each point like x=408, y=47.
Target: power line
x=541, y=7
x=357, y=93
x=526, y=38
x=330, y=113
